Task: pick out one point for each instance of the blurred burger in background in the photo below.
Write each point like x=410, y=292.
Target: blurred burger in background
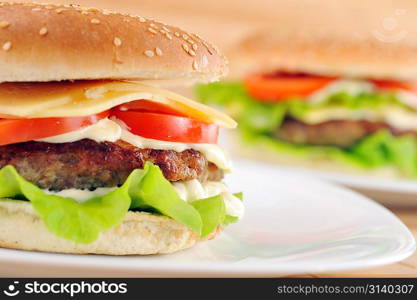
x=339, y=96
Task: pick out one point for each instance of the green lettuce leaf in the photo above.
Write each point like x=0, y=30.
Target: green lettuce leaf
x=150, y=190
x=229, y=220
x=144, y=190
x=79, y=222
x=212, y=211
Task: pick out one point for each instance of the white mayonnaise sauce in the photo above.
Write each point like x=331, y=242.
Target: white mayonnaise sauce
x=349, y=86
x=103, y=131
x=81, y=195
x=189, y=191
x=110, y=130
x=195, y=190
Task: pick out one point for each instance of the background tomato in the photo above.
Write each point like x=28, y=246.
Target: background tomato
x=395, y=85
x=280, y=86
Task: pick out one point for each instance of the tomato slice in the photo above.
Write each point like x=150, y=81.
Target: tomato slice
x=22, y=130
x=169, y=128
x=395, y=85
x=279, y=86
x=149, y=106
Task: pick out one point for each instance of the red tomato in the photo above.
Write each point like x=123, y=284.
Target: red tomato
x=168, y=127
x=278, y=87
x=22, y=130
x=148, y=106
x=395, y=85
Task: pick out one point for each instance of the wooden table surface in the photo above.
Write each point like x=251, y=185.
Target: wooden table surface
x=225, y=22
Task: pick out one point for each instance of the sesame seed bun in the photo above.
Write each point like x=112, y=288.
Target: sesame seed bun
x=55, y=42
x=329, y=49
x=140, y=233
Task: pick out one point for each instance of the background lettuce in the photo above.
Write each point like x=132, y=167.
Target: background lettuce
x=145, y=190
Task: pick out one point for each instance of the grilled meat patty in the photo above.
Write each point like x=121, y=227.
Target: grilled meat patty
x=340, y=133
x=87, y=164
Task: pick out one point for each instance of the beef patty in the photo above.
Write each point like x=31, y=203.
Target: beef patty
x=340, y=133
x=87, y=164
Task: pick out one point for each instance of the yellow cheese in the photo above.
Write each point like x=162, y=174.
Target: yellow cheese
x=81, y=98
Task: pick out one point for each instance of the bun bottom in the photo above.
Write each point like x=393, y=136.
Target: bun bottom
x=140, y=233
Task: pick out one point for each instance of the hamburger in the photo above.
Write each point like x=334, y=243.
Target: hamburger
x=93, y=157
x=325, y=97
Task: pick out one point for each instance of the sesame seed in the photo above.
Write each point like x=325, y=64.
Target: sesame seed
x=177, y=34
x=165, y=28
x=168, y=36
x=207, y=47
x=191, y=52
x=142, y=19
x=152, y=30
x=43, y=31
x=4, y=24
x=92, y=9
x=36, y=9
x=7, y=46
x=163, y=31
x=195, y=65
x=117, y=42
x=106, y=12
x=149, y=53
x=185, y=37
x=153, y=26
x=194, y=37
x=59, y=10
x=185, y=47
x=158, y=51
x=83, y=12
x=95, y=21
x=195, y=47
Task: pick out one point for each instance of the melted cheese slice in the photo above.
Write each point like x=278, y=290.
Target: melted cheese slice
x=72, y=99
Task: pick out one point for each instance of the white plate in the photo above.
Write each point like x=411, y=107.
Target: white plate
x=294, y=224
x=390, y=192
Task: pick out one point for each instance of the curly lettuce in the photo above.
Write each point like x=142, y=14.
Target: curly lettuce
x=144, y=190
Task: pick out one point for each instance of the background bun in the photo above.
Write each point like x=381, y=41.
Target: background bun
x=140, y=233
x=55, y=42
x=332, y=47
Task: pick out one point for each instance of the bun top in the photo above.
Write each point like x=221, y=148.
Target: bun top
x=41, y=42
x=335, y=49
